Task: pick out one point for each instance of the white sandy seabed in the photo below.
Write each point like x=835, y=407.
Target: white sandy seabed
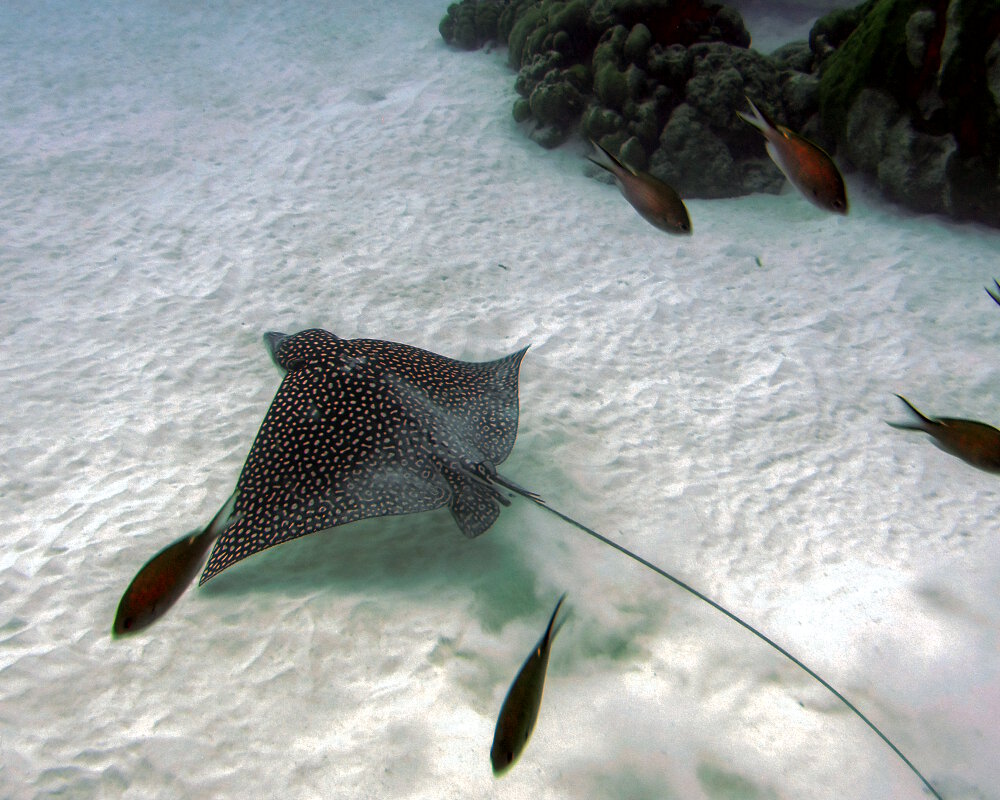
x=176, y=182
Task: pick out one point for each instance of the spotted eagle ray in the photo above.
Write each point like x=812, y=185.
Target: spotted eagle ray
x=365, y=428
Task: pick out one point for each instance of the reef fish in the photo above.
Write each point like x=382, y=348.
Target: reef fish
x=519, y=711
x=806, y=165
x=656, y=202
x=166, y=576
x=976, y=443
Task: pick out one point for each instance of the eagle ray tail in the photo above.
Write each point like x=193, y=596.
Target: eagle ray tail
x=763, y=637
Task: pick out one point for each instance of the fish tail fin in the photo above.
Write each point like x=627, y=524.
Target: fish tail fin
x=735, y=618
x=919, y=423
x=759, y=120
x=607, y=161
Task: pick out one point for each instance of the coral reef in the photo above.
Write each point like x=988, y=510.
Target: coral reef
x=657, y=82
x=912, y=98
x=908, y=91
x=470, y=25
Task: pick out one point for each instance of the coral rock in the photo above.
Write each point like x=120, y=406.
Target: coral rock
x=910, y=98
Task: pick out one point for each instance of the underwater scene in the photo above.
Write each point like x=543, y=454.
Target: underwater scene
x=571, y=329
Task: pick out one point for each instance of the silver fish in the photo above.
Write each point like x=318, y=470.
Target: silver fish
x=520, y=708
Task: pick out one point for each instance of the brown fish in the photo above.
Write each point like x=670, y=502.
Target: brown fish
x=656, y=202
x=520, y=708
x=166, y=576
x=807, y=165
x=974, y=442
